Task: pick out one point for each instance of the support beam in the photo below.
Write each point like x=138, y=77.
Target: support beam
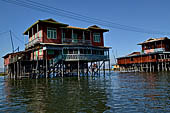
x=62, y=69
x=46, y=65
x=78, y=68
x=104, y=68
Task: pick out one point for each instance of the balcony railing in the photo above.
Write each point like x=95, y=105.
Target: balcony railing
x=85, y=57
x=33, y=42
x=76, y=41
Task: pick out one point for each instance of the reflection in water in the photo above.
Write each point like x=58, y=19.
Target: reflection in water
x=119, y=92
x=56, y=95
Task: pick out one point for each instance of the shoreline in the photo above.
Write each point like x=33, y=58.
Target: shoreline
x=2, y=74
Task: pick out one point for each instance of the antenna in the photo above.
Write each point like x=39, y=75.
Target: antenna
x=11, y=41
x=17, y=49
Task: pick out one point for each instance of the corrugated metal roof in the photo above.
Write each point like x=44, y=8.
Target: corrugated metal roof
x=95, y=27
x=72, y=27
x=51, y=21
x=154, y=40
x=66, y=26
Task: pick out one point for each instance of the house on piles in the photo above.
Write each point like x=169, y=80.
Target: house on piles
x=154, y=56
x=57, y=49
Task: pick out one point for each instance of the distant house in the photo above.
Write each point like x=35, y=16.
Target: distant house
x=154, y=56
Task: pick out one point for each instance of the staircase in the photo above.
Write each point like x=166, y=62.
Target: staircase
x=54, y=61
x=53, y=64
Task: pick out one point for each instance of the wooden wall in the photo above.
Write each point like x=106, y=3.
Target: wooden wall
x=137, y=59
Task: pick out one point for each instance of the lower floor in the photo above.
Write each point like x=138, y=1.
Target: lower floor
x=48, y=69
x=145, y=67
x=157, y=61
x=58, y=60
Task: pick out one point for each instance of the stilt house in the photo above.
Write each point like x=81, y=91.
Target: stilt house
x=57, y=49
x=155, y=56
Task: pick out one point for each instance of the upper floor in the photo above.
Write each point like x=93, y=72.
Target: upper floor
x=155, y=45
x=51, y=31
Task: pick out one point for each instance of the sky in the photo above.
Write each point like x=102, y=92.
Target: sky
x=145, y=14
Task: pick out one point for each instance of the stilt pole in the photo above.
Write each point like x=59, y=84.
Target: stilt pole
x=104, y=68
x=78, y=68
x=46, y=65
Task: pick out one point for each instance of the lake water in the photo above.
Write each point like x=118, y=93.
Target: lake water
x=115, y=93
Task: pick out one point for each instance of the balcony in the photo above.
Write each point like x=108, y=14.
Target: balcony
x=85, y=57
x=154, y=50
x=32, y=43
x=76, y=41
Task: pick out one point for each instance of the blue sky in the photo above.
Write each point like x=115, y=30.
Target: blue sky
x=147, y=14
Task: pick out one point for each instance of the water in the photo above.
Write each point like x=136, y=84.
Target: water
x=115, y=93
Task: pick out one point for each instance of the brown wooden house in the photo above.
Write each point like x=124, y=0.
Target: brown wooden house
x=154, y=56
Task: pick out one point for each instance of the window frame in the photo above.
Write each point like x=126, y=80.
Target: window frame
x=53, y=33
x=97, y=37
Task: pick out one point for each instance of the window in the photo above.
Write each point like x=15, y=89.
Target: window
x=94, y=52
x=63, y=35
x=75, y=51
x=70, y=51
x=96, y=37
x=51, y=33
x=101, y=52
x=50, y=52
x=152, y=56
x=81, y=51
x=131, y=58
x=89, y=51
x=75, y=37
x=65, y=51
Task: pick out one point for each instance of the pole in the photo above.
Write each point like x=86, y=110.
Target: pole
x=11, y=41
x=78, y=69
x=46, y=65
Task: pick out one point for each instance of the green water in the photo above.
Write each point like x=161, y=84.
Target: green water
x=115, y=93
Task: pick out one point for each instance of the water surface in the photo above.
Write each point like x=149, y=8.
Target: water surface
x=115, y=93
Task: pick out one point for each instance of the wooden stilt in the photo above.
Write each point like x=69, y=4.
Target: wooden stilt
x=99, y=68
x=150, y=67
x=62, y=69
x=14, y=71
x=46, y=65
x=104, y=68
x=78, y=68
x=109, y=67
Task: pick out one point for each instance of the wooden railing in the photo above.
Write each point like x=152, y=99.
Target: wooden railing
x=76, y=41
x=31, y=43
x=85, y=57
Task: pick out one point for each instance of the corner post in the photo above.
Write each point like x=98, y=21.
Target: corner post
x=46, y=65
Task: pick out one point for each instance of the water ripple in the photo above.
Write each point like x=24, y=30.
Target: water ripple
x=115, y=93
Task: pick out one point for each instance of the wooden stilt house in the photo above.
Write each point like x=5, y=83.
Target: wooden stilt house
x=154, y=56
x=57, y=49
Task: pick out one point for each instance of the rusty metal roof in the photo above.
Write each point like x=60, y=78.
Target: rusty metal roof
x=50, y=21
x=95, y=27
x=150, y=40
x=66, y=26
